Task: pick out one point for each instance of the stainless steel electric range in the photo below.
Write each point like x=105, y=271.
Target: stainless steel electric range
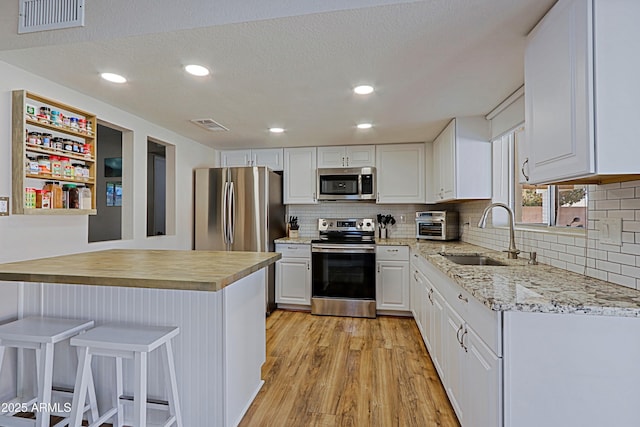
x=343, y=268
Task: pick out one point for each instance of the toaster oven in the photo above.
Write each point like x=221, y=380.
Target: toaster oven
x=437, y=225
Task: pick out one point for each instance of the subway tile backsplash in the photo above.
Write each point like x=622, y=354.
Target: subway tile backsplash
x=308, y=215
x=583, y=254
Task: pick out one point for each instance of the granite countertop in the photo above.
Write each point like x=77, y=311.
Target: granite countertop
x=160, y=269
x=520, y=286
x=531, y=288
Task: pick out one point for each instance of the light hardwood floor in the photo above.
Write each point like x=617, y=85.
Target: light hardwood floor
x=342, y=371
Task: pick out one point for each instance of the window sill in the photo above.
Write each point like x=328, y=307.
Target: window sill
x=544, y=229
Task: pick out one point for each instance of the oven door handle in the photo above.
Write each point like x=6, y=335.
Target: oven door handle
x=343, y=249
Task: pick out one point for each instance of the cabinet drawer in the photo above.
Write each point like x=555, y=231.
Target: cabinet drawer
x=392, y=253
x=294, y=250
x=484, y=321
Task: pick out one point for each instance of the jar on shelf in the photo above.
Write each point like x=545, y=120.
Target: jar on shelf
x=85, y=172
x=68, y=145
x=66, y=121
x=86, y=150
x=56, y=194
x=89, y=127
x=55, y=118
x=85, y=197
x=68, y=170
x=45, y=112
x=57, y=143
x=44, y=165
x=43, y=199
x=29, y=198
x=31, y=164
x=56, y=167
x=72, y=196
x=46, y=140
x=82, y=125
x=76, y=147
x=34, y=138
x=78, y=170
x=73, y=123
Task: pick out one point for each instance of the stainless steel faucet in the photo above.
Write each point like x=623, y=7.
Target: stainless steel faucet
x=512, y=251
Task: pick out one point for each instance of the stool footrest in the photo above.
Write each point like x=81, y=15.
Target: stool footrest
x=150, y=401
x=110, y=413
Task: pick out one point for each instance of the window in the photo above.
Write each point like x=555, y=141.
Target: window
x=544, y=205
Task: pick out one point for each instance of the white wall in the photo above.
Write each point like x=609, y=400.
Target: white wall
x=26, y=237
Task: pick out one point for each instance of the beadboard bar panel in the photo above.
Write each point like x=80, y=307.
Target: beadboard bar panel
x=204, y=318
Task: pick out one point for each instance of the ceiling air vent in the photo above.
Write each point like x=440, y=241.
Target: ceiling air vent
x=40, y=15
x=209, y=124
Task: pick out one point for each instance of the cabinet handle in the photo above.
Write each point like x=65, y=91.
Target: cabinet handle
x=458, y=335
x=429, y=295
x=292, y=247
x=415, y=275
x=378, y=267
x=525, y=163
x=314, y=197
x=392, y=250
x=347, y=161
x=343, y=162
x=308, y=266
x=461, y=298
x=462, y=340
x=378, y=197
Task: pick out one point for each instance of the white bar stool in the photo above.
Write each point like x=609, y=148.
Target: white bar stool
x=128, y=342
x=41, y=334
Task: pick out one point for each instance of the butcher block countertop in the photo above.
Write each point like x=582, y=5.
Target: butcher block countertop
x=139, y=268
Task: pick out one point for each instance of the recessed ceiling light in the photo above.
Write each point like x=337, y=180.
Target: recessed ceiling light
x=276, y=130
x=197, y=70
x=363, y=89
x=364, y=125
x=113, y=78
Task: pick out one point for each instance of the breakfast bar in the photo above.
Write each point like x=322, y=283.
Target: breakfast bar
x=217, y=299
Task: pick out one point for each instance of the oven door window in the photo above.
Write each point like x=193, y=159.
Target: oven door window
x=430, y=229
x=340, y=275
x=339, y=184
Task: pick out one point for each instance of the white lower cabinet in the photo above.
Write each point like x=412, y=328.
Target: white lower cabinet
x=453, y=362
x=483, y=377
x=463, y=340
x=392, y=278
x=293, y=274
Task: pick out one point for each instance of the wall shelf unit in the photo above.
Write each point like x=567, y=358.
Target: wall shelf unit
x=25, y=119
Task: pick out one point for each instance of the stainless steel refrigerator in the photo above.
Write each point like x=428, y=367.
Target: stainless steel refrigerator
x=239, y=209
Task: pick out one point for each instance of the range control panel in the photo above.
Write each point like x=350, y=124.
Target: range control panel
x=346, y=224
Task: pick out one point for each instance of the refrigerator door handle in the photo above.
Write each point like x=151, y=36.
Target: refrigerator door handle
x=232, y=212
x=225, y=200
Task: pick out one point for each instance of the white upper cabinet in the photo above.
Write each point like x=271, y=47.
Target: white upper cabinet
x=400, y=170
x=461, y=166
x=300, y=175
x=271, y=157
x=581, y=94
x=351, y=156
x=232, y=158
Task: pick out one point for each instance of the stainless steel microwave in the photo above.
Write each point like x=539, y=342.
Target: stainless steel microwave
x=346, y=183
x=437, y=225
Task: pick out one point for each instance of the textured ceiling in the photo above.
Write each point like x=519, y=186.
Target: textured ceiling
x=429, y=61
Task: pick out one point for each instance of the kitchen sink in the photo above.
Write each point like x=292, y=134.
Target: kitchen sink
x=472, y=259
